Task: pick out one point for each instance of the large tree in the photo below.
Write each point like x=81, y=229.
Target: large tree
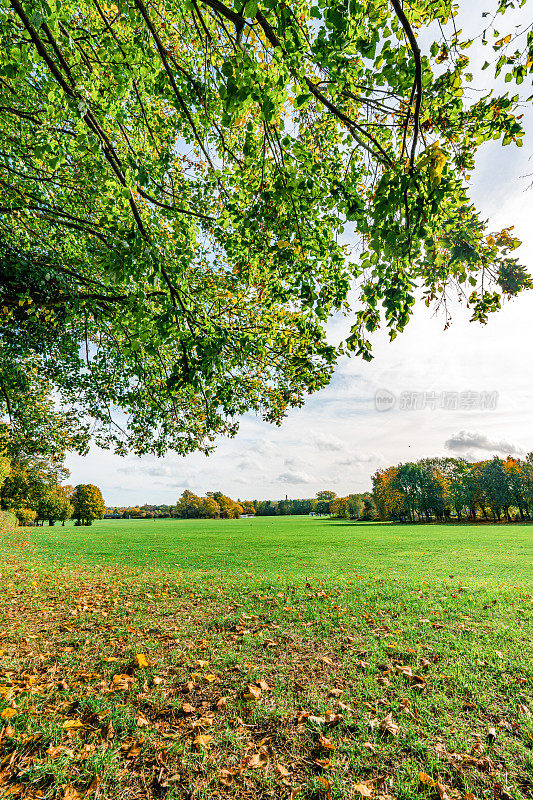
x=176, y=179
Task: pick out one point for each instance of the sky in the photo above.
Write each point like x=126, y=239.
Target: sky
x=466, y=391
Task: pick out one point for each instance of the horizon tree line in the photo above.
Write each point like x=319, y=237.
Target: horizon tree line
x=443, y=488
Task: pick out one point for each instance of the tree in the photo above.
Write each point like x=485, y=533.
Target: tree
x=175, y=183
x=188, y=506
x=229, y=509
x=26, y=516
x=209, y=508
x=54, y=505
x=88, y=504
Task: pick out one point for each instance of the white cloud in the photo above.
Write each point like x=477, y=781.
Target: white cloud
x=328, y=442
x=465, y=441
x=296, y=478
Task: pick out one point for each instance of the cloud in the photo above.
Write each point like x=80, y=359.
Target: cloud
x=328, y=442
x=294, y=478
x=249, y=465
x=464, y=441
x=356, y=458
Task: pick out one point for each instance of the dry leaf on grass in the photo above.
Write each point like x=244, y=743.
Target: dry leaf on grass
x=363, y=789
x=327, y=744
x=387, y=725
x=252, y=693
x=202, y=741
x=335, y=692
x=8, y=713
x=226, y=777
x=141, y=661
x=426, y=779
x=282, y=771
x=325, y=784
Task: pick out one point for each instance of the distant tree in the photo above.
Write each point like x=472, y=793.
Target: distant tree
x=229, y=509
x=339, y=507
x=54, y=505
x=88, y=504
x=188, y=506
x=248, y=507
x=209, y=508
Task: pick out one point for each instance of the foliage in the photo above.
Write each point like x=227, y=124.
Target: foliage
x=438, y=488
x=54, y=505
x=8, y=522
x=354, y=506
x=213, y=506
x=26, y=516
x=87, y=504
x=176, y=180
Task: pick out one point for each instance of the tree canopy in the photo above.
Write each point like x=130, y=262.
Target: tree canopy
x=178, y=181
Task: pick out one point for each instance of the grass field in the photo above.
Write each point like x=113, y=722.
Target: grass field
x=264, y=658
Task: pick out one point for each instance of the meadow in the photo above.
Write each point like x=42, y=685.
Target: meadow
x=290, y=657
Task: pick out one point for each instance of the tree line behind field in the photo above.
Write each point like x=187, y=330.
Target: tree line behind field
x=216, y=505
x=445, y=488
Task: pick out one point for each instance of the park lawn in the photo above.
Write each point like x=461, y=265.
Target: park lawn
x=276, y=657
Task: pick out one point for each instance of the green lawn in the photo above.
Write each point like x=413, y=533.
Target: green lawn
x=275, y=658
x=294, y=548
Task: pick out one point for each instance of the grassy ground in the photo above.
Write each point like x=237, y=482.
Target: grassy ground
x=292, y=657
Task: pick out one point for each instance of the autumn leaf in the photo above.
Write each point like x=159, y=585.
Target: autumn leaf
x=252, y=693
x=141, y=721
x=325, y=743
x=325, y=783
x=363, y=789
x=283, y=771
x=387, y=725
x=426, y=779
x=202, y=741
x=260, y=759
x=94, y=784
x=8, y=713
x=72, y=724
x=141, y=661
x=226, y=777
x=335, y=692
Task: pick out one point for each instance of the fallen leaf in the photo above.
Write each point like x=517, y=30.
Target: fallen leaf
x=332, y=718
x=135, y=748
x=363, y=789
x=141, y=661
x=222, y=703
x=259, y=759
x=252, y=693
x=523, y=709
x=72, y=724
x=203, y=741
x=327, y=744
x=70, y=793
x=283, y=771
x=387, y=725
x=426, y=779
x=313, y=720
x=335, y=692
x=322, y=762
x=8, y=713
x=442, y=789
x=226, y=777
x=325, y=784
x=142, y=722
